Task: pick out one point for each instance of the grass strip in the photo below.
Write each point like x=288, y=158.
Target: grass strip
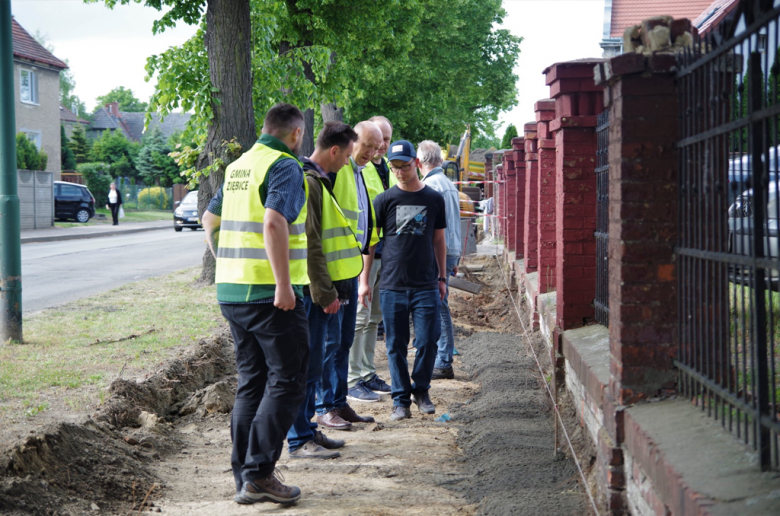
x=72, y=353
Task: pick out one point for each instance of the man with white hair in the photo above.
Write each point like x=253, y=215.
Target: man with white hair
x=364, y=384
x=429, y=154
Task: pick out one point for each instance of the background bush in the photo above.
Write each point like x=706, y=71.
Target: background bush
x=28, y=157
x=153, y=198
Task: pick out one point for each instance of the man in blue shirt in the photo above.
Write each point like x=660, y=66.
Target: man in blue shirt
x=429, y=154
x=267, y=321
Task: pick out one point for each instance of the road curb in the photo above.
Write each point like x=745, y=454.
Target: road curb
x=57, y=238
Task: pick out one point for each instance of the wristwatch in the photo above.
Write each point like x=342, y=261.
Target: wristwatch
x=443, y=280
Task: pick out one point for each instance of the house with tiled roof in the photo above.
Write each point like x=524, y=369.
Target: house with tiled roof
x=37, y=93
x=621, y=14
x=70, y=120
x=131, y=124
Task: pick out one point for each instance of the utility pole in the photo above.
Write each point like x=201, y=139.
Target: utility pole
x=10, y=226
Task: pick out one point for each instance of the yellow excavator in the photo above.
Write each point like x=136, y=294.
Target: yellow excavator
x=458, y=167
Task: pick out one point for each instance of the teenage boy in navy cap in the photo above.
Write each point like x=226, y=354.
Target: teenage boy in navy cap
x=412, y=218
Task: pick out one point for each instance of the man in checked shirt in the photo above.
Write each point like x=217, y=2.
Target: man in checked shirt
x=256, y=229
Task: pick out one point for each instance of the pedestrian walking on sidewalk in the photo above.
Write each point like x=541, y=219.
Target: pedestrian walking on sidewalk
x=256, y=229
x=429, y=154
x=114, y=203
x=413, y=219
x=333, y=260
x=364, y=383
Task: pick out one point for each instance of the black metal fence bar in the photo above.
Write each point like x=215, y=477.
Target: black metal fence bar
x=728, y=232
x=601, y=303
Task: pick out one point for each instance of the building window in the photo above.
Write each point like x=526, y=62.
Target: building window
x=33, y=136
x=28, y=86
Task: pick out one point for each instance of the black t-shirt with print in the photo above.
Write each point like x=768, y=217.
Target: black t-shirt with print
x=408, y=220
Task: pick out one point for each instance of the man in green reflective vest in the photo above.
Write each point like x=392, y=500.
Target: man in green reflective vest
x=351, y=190
x=334, y=259
x=256, y=229
x=364, y=383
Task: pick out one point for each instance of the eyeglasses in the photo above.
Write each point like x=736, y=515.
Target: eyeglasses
x=405, y=168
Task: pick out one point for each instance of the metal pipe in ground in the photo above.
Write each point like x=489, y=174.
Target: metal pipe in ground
x=10, y=224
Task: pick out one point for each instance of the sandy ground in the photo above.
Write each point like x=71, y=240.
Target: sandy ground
x=493, y=456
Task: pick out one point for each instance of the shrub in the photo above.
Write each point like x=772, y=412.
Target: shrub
x=98, y=180
x=27, y=155
x=153, y=197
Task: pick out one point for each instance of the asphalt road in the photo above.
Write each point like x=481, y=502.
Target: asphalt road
x=55, y=273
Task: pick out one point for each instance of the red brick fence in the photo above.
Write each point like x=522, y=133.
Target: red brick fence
x=656, y=452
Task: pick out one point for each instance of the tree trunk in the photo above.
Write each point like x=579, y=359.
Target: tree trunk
x=229, y=46
x=332, y=113
x=307, y=147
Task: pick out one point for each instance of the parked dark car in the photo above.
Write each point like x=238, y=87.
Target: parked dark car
x=73, y=201
x=186, y=213
x=741, y=239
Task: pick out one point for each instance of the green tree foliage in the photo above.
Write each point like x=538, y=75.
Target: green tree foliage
x=28, y=157
x=68, y=160
x=154, y=165
x=113, y=148
x=98, y=178
x=80, y=145
x=126, y=99
x=459, y=71
x=511, y=132
x=485, y=138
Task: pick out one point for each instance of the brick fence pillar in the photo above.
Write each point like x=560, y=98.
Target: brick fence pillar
x=578, y=100
x=519, y=223
x=510, y=187
x=643, y=208
x=545, y=113
x=489, y=175
x=500, y=210
x=530, y=233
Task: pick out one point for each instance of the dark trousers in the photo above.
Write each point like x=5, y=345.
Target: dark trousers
x=272, y=356
x=115, y=212
x=332, y=391
x=323, y=339
x=423, y=305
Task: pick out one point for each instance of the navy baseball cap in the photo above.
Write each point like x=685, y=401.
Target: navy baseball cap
x=401, y=150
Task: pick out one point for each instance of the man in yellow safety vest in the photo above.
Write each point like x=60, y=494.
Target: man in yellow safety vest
x=364, y=383
x=334, y=259
x=256, y=229
x=351, y=190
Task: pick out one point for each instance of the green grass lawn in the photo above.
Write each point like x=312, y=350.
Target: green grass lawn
x=66, y=356
x=130, y=216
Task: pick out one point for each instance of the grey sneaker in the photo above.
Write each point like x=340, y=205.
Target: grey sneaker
x=269, y=489
x=324, y=441
x=400, y=413
x=424, y=403
x=312, y=450
x=362, y=393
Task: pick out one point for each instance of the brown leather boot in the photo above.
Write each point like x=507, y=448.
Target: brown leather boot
x=269, y=489
x=333, y=420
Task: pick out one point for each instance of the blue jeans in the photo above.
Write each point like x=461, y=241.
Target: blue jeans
x=423, y=305
x=446, y=342
x=321, y=328
x=332, y=390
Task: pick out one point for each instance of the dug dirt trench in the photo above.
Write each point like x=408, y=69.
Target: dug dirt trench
x=162, y=443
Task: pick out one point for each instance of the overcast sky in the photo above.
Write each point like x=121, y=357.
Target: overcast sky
x=108, y=48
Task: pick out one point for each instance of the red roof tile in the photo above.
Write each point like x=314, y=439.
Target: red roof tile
x=26, y=47
x=713, y=14
x=626, y=13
